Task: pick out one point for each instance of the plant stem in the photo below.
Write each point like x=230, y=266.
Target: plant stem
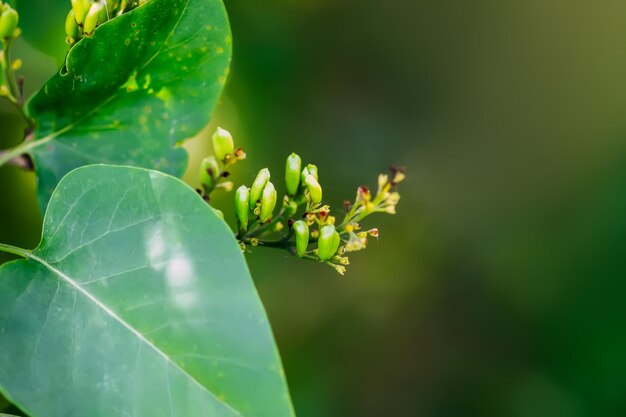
x=14, y=95
x=14, y=250
x=24, y=147
x=279, y=244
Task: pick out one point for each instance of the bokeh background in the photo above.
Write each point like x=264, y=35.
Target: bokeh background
x=500, y=287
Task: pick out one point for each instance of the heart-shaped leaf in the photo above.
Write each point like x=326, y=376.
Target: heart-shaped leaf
x=133, y=92
x=137, y=302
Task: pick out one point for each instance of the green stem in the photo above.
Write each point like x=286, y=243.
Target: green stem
x=8, y=70
x=14, y=97
x=15, y=250
x=279, y=244
x=22, y=148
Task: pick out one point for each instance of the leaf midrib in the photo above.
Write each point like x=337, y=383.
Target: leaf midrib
x=115, y=316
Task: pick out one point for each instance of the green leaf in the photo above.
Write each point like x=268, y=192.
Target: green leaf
x=145, y=82
x=137, y=302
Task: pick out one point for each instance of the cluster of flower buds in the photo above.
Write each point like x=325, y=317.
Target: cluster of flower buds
x=9, y=31
x=86, y=15
x=257, y=202
x=313, y=233
x=214, y=169
x=9, y=20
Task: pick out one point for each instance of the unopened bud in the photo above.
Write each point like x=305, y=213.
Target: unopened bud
x=315, y=189
x=103, y=16
x=258, y=185
x=209, y=169
x=313, y=171
x=71, y=28
x=339, y=268
x=8, y=22
x=92, y=18
x=80, y=9
x=383, y=179
x=301, y=230
x=242, y=199
x=292, y=173
x=268, y=202
x=223, y=143
x=328, y=242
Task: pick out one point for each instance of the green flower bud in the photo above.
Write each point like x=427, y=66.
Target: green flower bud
x=258, y=185
x=80, y=8
x=328, y=242
x=103, y=16
x=242, y=199
x=209, y=169
x=223, y=144
x=313, y=171
x=92, y=18
x=268, y=202
x=292, y=173
x=315, y=189
x=301, y=230
x=309, y=170
x=71, y=28
x=290, y=207
x=8, y=22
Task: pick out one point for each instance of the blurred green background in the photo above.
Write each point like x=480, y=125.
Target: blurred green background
x=499, y=288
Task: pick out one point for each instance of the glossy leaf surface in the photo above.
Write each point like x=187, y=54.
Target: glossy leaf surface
x=137, y=302
x=134, y=91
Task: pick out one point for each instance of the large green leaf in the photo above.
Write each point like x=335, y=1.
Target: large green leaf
x=137, y=302
x=133, y=92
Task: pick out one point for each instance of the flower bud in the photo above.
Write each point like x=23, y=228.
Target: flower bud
x=242, y=198
x=315, y=189
x=71, y=28
x=292, y=173
x=301, y=229
x=223, y=144
x=258, y=185
x=8, y=22
x=313, y=171
x=290, y=208
x=328, y=242
x=304, y=174
x=103, y=16
x=209, y=170
x=80, y=9
x=92, y=18
x=268, y=202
